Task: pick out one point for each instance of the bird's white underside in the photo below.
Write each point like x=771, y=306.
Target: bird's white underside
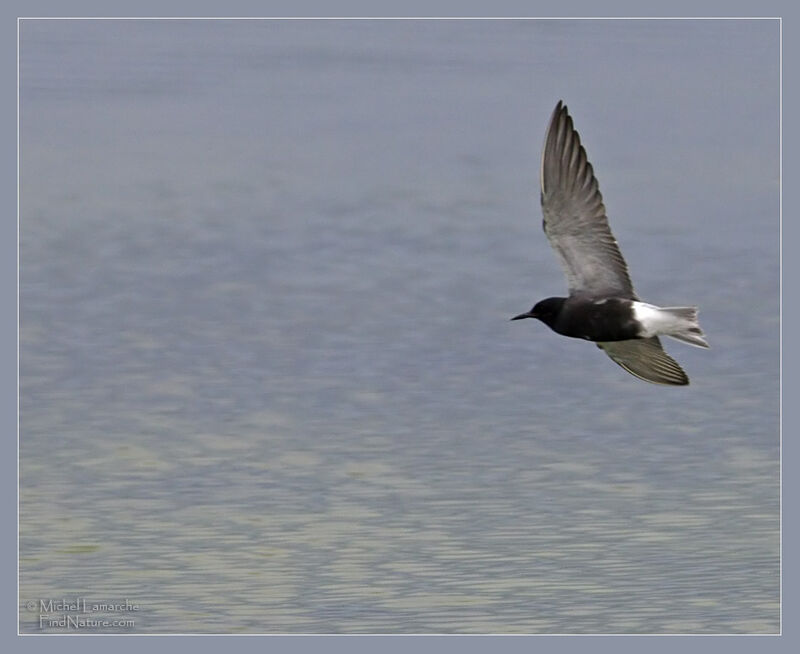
x=654, y=320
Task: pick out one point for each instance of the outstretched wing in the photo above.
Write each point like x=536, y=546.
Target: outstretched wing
x=645, y=358
x=574, y=215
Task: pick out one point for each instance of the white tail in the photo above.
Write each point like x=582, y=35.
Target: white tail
x=678, y=322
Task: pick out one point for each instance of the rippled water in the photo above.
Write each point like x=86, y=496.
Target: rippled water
x=268, y=381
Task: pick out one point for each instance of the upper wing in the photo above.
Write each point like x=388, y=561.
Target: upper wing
x=574, y=216
x=645, y=358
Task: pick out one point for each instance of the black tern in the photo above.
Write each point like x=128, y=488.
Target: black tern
x=602, y=306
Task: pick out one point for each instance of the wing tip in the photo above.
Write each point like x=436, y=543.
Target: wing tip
x=555, y=130
x=560, y=111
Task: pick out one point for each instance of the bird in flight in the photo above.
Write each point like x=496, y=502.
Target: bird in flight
x=602, y=306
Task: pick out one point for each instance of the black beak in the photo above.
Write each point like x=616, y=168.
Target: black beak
x=528, y=314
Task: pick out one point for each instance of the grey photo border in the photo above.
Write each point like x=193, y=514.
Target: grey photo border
x=13, y=11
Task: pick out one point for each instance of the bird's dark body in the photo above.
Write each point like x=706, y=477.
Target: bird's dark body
x=590, y=318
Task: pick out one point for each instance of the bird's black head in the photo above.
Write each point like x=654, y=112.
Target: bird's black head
x=547, y=311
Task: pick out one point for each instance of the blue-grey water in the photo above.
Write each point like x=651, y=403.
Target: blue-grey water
x=267, y=378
